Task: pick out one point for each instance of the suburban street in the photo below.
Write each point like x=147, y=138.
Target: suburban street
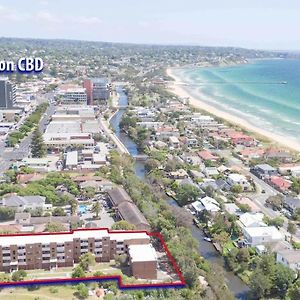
x=258, y=197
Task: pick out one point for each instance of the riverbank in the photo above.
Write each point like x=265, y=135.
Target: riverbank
x=206, y=249
x=199, y=103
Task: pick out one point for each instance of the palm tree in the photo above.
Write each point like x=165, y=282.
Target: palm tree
x=96, y=208
x=74, y=206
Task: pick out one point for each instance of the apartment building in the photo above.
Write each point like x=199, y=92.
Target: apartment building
x=72, y=94
x=53, y=250
x=97, y=89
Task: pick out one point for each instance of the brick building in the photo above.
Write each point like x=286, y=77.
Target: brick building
x=52, y=250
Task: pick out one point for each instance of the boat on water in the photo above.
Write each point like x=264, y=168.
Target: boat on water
x=207, y=239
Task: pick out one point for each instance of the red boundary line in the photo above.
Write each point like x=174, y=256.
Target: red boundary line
x=117, y=278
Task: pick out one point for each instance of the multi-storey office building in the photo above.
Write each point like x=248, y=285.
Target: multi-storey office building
x=7, y=93
x=73, y=95
x=97, y=89
x=47, y=250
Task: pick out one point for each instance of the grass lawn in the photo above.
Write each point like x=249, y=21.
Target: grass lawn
x=42, y=293
x=227, y=247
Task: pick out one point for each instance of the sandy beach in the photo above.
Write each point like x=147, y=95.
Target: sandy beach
x=200, y=104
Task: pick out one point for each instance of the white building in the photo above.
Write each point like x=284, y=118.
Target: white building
x=261, y=235
x=71, y=94
x=207, y=203
x=238, y=179
x=251, y=220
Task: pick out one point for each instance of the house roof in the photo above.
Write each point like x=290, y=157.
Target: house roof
x=292, y=202
x=141, y=253
x=265, y=167
x=206, y=155
x=250, y=219
x=15, y=200
x=280, y=182
x=118, y=195
x=131, y=213
x=264, y=231
x=290, y=255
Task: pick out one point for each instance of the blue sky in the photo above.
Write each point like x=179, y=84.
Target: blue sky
x=265, y=24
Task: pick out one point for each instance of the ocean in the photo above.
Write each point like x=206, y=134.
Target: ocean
x=266, y=93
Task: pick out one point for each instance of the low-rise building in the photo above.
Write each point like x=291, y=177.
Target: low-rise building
x=261, y=235
x=290, y=258
x=238, y=179
x=20, y=203
x=264, y=171
x=279, y=183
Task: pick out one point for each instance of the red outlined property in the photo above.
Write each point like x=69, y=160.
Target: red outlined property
x=148, y=259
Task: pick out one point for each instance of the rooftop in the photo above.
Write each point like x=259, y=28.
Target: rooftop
x=46, y=238
x=142, y=253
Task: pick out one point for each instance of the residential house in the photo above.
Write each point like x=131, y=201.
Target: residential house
x=20, y=203
x=291, y=203
x=280, y=155
x=233, y=209
x=290, y=258
x=206, y=155
x=207, y=204
x=238, y=179
x=264, y=171
x=251, y=220
x=279, y=183
x=254, y=236
x=174, y=142
x=239, y=138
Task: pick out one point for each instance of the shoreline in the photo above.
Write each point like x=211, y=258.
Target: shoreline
x=198, y=103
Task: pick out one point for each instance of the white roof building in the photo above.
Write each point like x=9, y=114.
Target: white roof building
x=207, y=203
x=252, y=220
x=262, y=235
x=60, y=238
x=142, y=253
x=72, y=159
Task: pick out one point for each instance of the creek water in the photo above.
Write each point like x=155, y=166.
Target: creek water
x=206, y=249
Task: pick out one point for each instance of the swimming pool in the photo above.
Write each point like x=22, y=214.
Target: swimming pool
x=82, y=208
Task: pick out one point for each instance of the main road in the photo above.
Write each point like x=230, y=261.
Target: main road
x=9, y=155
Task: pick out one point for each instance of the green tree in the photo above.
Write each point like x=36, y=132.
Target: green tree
x=58, y=211
x=221, y=238
x=122, y=225
x=74, y=206
x=243, y=255
x=151, y=164
x=86, y=260
x=18, y=275
x=96, y=209
x=283, y=279
x=236, y=189
x=89, y=192
x=38, y=148
x=78, y=272
x=294, y=291
x=82, y=291
x=260, y=284
x=292, y=228
x=275, y=202
x=187, y=193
